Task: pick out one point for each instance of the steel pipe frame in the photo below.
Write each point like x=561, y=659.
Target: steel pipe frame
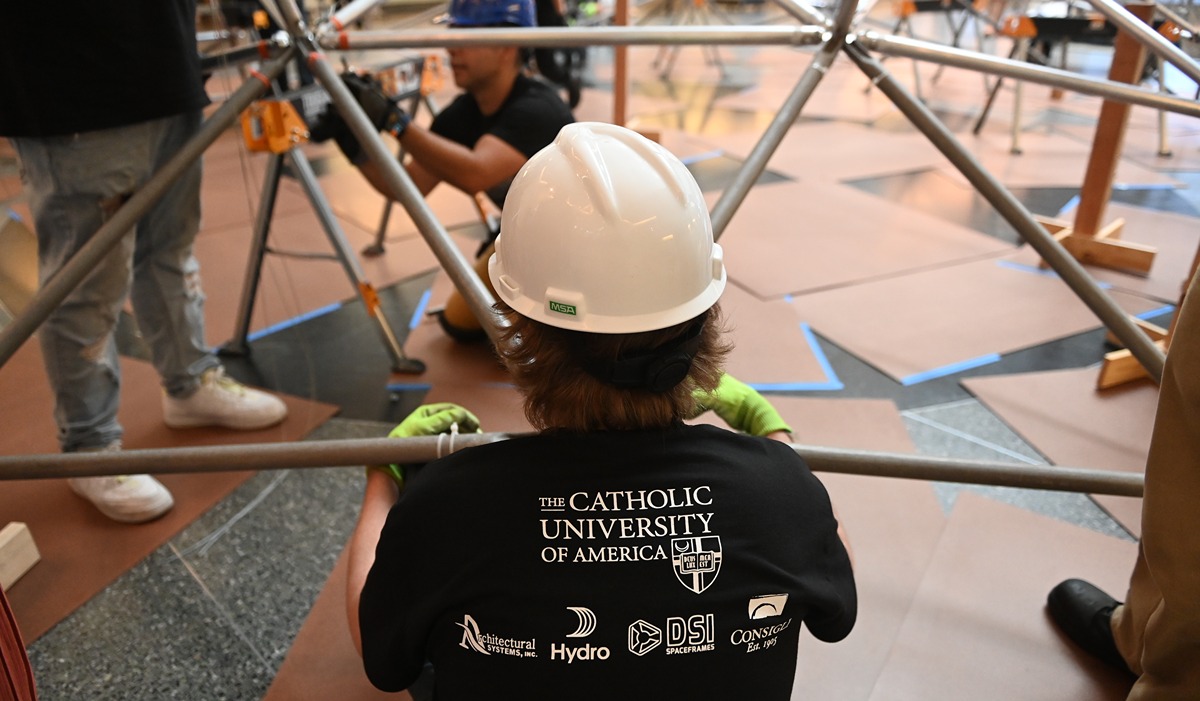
x=935, y=53
x=735, y=193
x=537, y=37
x=399, y=183
x=358, y=452
x=56, y=289
x=1148, y=37
x=374, y=451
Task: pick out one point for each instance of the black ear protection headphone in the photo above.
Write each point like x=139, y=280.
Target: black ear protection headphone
x=656, y=370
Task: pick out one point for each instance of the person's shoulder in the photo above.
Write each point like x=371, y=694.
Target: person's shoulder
x=536, y=90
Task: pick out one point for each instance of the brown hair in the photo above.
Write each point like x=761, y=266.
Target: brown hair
x=548, y=366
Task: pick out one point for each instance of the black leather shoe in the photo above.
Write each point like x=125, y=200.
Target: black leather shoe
x=1084, y=613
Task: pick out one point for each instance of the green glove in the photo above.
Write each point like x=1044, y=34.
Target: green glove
x=428, y=420
x=742, y=407
x=432, y=419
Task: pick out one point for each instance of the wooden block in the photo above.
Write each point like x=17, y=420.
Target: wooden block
x=1112, y=230
x=1154, y=331
x=1116, y=254
x=18, y=553
x=1120, y=367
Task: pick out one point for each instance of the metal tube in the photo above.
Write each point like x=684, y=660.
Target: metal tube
x=804, y=12
x=1060, y=479
x=56, y=289
x=1176, y=18
x=403, y=190
x=232, y=57
x=577, y=36
x=1145, y=34
x=1069, y=269
x=735, y=193
x=1054, y=77
x=374, y=451
x=756, y=162
x=351, y=12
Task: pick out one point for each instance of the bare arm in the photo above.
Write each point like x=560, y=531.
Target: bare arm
x=492, y=160
x=422, y=178
x=378, y=497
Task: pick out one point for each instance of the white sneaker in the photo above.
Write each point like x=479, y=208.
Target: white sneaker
x=124, y=498
x=222, y=401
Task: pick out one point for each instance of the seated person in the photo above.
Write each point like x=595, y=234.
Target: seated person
x=618, y=552
x=479, y=141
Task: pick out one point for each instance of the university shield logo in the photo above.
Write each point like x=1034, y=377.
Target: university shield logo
x=697, y=561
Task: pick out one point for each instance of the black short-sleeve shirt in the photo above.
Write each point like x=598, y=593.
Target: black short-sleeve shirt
x=677, y=563
x=528, y=120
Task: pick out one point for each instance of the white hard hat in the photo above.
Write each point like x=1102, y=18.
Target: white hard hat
x=606, y=231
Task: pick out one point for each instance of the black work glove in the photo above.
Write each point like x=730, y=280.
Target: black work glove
x=383, y=111
x=330, y=125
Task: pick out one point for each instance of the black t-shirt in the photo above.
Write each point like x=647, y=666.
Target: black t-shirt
x=529, y=119
x=85, y=66
x=662, y=564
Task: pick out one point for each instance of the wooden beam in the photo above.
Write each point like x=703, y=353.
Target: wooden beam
x=1128, y=57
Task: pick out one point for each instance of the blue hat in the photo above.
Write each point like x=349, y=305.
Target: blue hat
x=491, y=13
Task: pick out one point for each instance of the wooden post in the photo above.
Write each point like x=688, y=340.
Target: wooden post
x=1088, y=240
x=620, y=66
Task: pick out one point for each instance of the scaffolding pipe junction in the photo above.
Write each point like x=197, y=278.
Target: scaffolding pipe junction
x=374, y=451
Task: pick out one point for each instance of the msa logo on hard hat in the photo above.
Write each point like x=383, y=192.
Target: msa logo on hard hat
x=562, y=308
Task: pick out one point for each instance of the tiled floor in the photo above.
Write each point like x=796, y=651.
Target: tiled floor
x=212, y=614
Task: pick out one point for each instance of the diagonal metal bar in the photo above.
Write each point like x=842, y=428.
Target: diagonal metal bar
x=57, y=288
x=1069, y=269
x=756, y=162
x=1145, y=34
x=1021, y=70
x=399, y=183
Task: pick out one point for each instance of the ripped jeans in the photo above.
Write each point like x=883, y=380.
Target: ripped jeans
x=75, y=183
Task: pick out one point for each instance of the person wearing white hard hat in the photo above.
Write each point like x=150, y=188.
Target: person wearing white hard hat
x=479, y=141
x=617, y=552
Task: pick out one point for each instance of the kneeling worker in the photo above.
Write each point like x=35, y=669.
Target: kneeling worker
x=618, y=552
x=479, y=141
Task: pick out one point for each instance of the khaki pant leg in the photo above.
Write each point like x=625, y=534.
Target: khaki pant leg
x=1158, y=628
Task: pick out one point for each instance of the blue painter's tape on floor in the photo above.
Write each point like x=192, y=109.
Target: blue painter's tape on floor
x=420, y=310
x=293, y=321
x=702, y=157
x=1071, y=204
x=950, y=369
x=1042, y=271
x=1150, y=314
x=831, y=383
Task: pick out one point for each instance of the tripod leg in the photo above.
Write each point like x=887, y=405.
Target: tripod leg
x=238, y=345
x=366, y=292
